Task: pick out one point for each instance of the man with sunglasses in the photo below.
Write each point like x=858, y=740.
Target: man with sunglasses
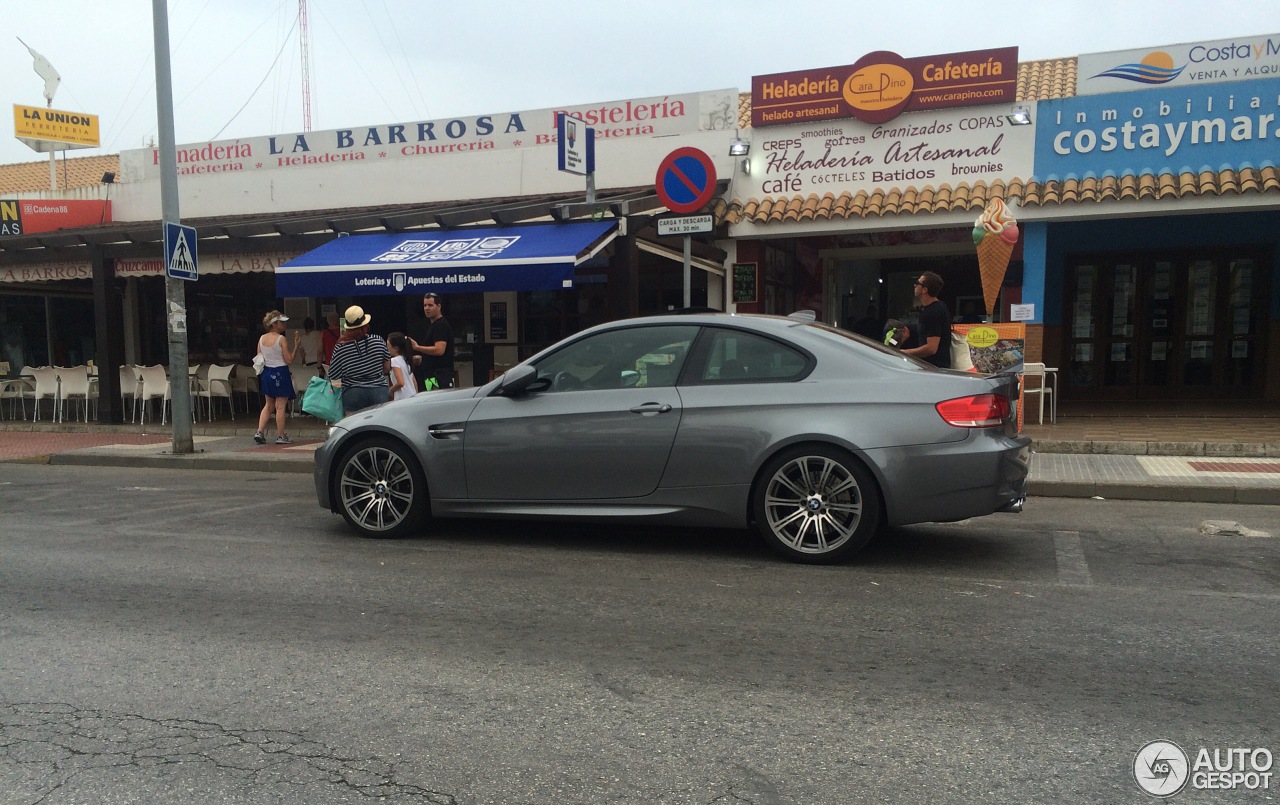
x=935, y=323
x=432, y=347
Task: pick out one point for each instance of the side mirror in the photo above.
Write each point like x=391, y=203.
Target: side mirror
x=517, y=380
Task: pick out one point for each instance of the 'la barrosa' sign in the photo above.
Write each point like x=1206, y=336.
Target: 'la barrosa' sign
x=643, y=117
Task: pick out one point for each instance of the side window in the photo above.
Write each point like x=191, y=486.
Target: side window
x=634, y=357
x=737, y=357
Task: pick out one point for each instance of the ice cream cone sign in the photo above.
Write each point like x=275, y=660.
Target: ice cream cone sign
x=995, y=233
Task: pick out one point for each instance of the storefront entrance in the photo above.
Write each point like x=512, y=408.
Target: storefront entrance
x=1178, y=325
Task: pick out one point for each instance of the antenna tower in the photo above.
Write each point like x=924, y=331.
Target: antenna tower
x=304, y=39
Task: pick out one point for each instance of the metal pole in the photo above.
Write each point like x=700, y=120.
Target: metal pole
x=53, y=171
x=175, y=291
x=688, y=271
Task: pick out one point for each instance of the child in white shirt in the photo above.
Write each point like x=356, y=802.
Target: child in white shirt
x=403, y=385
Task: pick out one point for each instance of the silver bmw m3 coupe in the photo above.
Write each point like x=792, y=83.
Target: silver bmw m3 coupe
x=811, y=435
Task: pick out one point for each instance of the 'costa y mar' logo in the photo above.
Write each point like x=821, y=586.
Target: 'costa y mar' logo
x=1156, y=67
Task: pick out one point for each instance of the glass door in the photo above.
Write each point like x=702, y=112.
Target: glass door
x=1165, y=326
x=1102, y=330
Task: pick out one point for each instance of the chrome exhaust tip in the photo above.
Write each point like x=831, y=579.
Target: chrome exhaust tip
x=1014, y=506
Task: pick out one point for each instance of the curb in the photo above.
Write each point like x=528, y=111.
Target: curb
x=1157, y=492
x=1164, y=493
x=301, y=466
x=1159, y=448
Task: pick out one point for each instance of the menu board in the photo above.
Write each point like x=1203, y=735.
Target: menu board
x=744, y=283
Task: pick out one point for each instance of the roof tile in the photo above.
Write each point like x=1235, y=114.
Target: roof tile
x=33, y=177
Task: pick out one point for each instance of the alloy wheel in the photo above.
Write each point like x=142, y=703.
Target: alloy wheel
x=813, y=504
x=377, y=489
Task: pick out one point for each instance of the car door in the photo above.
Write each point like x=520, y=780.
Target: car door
x=601, y=426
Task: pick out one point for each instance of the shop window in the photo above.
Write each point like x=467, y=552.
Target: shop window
x=23, y=339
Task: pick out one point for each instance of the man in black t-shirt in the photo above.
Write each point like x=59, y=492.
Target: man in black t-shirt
x=432, y=347
x=935, y=323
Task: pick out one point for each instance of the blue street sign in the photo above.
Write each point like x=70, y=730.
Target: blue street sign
x=180, y=260
x=577, y=145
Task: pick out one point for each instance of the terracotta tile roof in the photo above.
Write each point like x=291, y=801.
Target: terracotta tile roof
x=29, y=177
x=1045, y=79
x=744, y=110
x=1153, y=185
x=896, y=201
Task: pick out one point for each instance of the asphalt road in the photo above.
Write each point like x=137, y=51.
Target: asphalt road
x=214, y=637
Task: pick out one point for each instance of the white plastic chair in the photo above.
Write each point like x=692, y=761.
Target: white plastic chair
x=17, y=390
x=245, y=381
x=218, y=384
x=197, y=374
x=74, y=385
x=28, y=388
x=46, y=389
x=301, y=378
x=155, y=386
x=1034, y=381
x=130, y=385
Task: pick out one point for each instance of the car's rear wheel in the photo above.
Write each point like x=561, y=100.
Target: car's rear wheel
x=380, y=489
x=816, y=504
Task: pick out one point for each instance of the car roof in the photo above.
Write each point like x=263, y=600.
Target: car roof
x=760, y=321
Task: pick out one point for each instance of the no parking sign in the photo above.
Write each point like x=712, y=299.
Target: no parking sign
x=686, y=180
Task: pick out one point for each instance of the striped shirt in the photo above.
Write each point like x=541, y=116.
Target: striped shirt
x=359, y=363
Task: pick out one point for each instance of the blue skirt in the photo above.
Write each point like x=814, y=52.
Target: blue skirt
x=277, y=382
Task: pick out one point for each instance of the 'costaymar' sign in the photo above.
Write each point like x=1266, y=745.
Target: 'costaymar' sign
x=643, y=117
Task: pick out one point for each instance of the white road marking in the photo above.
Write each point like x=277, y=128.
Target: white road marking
x=1072, y=567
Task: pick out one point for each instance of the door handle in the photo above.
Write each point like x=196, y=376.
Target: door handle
x=651, y=408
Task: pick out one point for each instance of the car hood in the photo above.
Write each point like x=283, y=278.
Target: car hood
x=433, y=401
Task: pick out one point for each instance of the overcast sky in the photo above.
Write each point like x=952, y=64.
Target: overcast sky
x=237, y=67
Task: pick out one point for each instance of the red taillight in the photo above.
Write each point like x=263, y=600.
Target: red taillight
x=978, y=411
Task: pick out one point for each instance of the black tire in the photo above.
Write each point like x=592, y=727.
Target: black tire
x=815, y=504
x=380, y=489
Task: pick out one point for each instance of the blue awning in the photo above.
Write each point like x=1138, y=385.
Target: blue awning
x=539, y=257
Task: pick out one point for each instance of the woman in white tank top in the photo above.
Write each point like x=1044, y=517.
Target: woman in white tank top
x=276, y=381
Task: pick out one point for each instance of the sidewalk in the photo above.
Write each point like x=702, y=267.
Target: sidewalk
x=1180, y=458
x=217, y=446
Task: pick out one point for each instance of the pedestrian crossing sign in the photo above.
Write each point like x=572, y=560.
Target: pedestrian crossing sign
x=180, y=259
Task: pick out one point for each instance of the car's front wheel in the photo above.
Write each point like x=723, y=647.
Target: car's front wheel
x=816, y=504
x=380, y=489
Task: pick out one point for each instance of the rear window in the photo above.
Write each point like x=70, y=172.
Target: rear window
x=845, y=335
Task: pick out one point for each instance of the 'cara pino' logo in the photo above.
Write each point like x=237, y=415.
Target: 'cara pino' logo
x=1156, y=67
x=879, y=86
x=982, y=337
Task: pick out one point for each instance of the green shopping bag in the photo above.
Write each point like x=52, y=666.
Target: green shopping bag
x=322, y=400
